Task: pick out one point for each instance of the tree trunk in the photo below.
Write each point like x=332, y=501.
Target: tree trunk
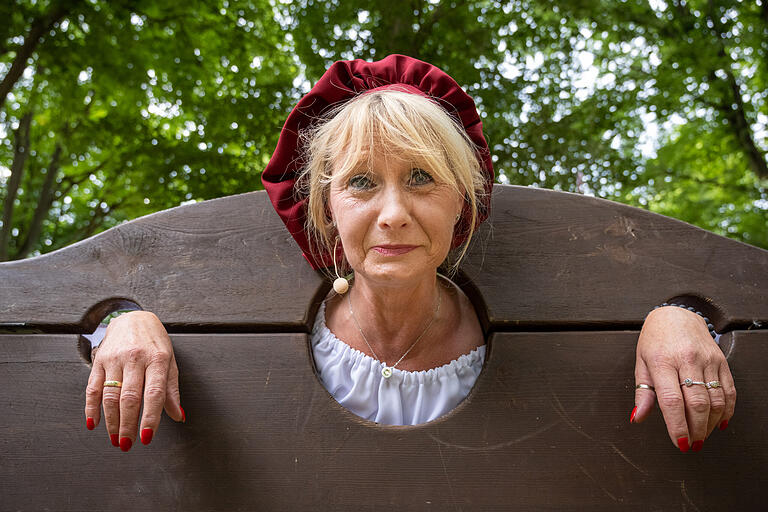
x=39, y=27
x=765, y=12
x=20, y=152
x=738, y=119
x=44, y=202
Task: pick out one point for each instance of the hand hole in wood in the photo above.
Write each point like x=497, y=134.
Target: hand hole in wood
x=96, y=320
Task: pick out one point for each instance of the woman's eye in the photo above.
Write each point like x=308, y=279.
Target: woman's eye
x=420, y=177
x=360, y=182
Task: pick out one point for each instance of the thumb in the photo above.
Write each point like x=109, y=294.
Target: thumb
x=644, y=398
x=172, y=396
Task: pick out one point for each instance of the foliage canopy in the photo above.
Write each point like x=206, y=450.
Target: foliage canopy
x=111, y=110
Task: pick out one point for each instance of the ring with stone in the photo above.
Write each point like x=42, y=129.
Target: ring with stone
x=713, y=384
x=690, y=382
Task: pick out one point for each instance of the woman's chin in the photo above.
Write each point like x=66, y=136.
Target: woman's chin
x=396, y=273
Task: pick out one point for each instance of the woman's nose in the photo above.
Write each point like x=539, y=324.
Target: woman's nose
x=394, y=209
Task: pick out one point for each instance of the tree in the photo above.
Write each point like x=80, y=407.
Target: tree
x=124, y=108
x=138, y=106
x=699, y=69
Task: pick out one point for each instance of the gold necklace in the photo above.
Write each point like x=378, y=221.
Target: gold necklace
x=387, y=371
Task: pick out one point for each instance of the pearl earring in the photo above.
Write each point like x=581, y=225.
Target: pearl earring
x=340, y=285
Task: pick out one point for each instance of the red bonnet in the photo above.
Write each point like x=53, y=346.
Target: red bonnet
x=343, y=81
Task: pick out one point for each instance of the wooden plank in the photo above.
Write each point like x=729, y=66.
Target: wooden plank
x=224, y=263
x=544, y=429
x=545, y=259
x=559, y=259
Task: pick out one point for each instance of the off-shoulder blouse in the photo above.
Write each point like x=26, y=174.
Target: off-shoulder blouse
x=406, y=398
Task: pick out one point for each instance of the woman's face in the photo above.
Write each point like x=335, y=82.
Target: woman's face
x=394, y=220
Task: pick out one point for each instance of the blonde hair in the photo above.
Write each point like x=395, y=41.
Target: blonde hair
x=394, y=123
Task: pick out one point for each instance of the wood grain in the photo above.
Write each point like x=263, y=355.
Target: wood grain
x=545, y=428
x=222, y=264
x=546, y=260
x=553, y=275
x=553, y=260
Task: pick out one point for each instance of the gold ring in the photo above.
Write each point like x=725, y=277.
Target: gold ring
x=113, y=384
x=645, y=386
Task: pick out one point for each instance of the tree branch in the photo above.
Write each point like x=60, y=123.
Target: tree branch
x=764, y=12
x=20, y=153
x=5, y=47
x=89, y=229
x=76, y=180
x=426, y=28
x=737, y=188
x=737, y=117
x=39, y=27
x=165, y=19
x=44, y=202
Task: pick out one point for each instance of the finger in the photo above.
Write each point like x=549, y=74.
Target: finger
x=110, y=402
x=93, y=396
x=697, y=406
x=729, y=390
x=172, y=397
x=130, y=403
x=716, y=398
x=155, y=383
x=672, y=405
x=644, y=398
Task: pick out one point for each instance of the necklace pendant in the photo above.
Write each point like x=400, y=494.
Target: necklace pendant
x=386, y=372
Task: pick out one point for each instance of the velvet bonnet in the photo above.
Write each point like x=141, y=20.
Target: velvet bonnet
x=343, y=81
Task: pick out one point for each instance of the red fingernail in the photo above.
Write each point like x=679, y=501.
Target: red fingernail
x=125, y=444
x=682, y=443
x=697, y=445
x=632, y=416
x=146, y=435
x=183, y=415
x=113, y=438
x=723, y=424
x=90, y=425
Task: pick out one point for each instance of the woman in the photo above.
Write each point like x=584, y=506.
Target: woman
x=383, y=169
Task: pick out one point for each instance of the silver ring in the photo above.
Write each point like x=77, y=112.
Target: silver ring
x=645, y=386
x=713, y=384
x=690, y=382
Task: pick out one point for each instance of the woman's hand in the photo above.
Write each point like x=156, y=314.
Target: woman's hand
x=675, y=345
x=137, y=351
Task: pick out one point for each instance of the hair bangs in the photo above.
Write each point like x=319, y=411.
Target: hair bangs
x=387, y=123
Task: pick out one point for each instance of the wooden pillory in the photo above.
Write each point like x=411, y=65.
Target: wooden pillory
x=561, y=283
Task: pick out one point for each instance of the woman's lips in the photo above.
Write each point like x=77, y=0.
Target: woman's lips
x=393, y=250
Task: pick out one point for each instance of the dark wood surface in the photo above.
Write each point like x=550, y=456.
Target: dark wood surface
x=544, y=260
x=562, y=283
x=550, y=259
x=545, y=428
x=224, y=263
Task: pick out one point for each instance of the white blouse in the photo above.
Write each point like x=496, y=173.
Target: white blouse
x=406, y=398
x=355, y=381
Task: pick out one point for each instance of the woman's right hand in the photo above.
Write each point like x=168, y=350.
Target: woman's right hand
x=137, y=351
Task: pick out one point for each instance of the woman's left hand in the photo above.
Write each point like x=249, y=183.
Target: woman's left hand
x=675, y=345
